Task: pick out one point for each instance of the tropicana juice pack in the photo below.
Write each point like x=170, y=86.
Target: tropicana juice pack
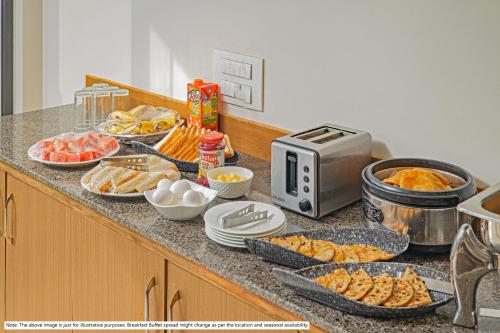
x=203, y=104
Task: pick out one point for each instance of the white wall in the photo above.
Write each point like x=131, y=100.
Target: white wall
x=422, y=76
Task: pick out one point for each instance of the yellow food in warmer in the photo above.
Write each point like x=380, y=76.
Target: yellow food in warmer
x=230, y=177
x=419, y=179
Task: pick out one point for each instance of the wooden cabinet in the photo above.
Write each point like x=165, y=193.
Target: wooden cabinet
x=37, y=268
x=110, y=275
x=60, y=261
x=3, y=188
x=191, y=298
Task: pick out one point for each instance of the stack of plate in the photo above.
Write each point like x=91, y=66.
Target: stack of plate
x=233, y=237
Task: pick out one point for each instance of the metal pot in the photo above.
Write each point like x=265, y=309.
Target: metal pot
x=429, y=218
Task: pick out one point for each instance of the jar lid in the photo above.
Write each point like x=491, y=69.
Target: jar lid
x=212, y=137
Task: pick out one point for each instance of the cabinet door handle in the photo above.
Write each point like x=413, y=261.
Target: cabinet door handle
x=150, y=286
x=175, y=299
x=5, y=216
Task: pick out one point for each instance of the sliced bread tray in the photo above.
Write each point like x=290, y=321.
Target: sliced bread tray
x=183, y=166
x=302, y=282
x=386, y=240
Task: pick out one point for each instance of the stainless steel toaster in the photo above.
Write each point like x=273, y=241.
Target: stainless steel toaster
x=317, y=171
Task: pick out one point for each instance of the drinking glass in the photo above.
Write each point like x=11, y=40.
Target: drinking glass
x=83, y=111
x=119, y=98
x=102, y=105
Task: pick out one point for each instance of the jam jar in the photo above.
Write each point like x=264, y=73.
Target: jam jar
x=211, y=154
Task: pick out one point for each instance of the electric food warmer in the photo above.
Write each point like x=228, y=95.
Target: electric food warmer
x=472, y=258
x=317, y=171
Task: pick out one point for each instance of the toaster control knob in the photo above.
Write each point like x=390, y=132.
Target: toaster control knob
x=305, y=205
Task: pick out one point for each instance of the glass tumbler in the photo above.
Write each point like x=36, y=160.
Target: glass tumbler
x=120, y=100
x=83, y=111
x=96, y=86
x=102, y=105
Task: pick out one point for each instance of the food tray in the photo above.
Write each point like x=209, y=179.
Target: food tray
x=144, y=138
x=388, y=241
x=301, y=281
x=184, y=166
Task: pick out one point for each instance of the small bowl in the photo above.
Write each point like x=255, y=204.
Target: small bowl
x=180, y=212
x=230, y=190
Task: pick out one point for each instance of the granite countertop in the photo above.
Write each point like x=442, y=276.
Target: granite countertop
x=19, y=132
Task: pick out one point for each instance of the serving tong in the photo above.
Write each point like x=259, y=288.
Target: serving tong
x=134, y=162
x=243, y=216
x=435, y=285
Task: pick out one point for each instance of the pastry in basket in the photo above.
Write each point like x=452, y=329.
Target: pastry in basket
x=121, y=180
x=182, y=142
x=419, y=179
x=143, y=119
x=328, y=251
x=380, y=290
x=145, y=112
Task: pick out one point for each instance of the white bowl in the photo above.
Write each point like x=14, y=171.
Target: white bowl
x=230, y=190
x=181, y=212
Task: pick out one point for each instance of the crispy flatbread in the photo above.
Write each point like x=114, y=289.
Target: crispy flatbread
x=292, y=242
x=323, y=250
x=421, y=294
x=401, y=294
x=381, y=291
x=350, y=254
x=368, y=253
x=361, y=283
x=338, y=281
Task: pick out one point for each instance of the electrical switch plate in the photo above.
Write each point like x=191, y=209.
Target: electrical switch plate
x=227, y=88
x=236, y=68
x=244, y=93
x=240, y=78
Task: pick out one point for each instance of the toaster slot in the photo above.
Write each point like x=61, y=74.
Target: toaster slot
x=291, y=173
x=322, y=135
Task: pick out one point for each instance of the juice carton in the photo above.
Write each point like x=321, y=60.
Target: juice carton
x=203, y=104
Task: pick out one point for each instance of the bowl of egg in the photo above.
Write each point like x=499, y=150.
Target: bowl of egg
x=181, y=200
x=230, y=181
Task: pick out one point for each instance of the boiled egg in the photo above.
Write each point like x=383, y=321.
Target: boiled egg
x=163, y=197
x=193, y=198
x=164, y=184
x=180, y=187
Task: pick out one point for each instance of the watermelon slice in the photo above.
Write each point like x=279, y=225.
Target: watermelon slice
x=72, y=157
x=87, y=156
x=57, y=157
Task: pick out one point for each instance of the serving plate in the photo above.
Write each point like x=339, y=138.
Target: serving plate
x=184, y=166
x=34, y=157
x=302, y=282
x=143, y=138
x=387, y=240
x=111, y=195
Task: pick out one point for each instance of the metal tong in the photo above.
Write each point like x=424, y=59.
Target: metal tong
x=436, y=285
x=134, y=162
x=243, y=216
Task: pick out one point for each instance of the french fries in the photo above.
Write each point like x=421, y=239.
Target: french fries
x=182, y=144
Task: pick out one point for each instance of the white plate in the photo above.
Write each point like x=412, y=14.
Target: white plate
x=68, y=164
x=214, y=215
x=238, y=238
x=111, y=195
x=224, y=242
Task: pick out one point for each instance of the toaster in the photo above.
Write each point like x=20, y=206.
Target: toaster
x=318, y=171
